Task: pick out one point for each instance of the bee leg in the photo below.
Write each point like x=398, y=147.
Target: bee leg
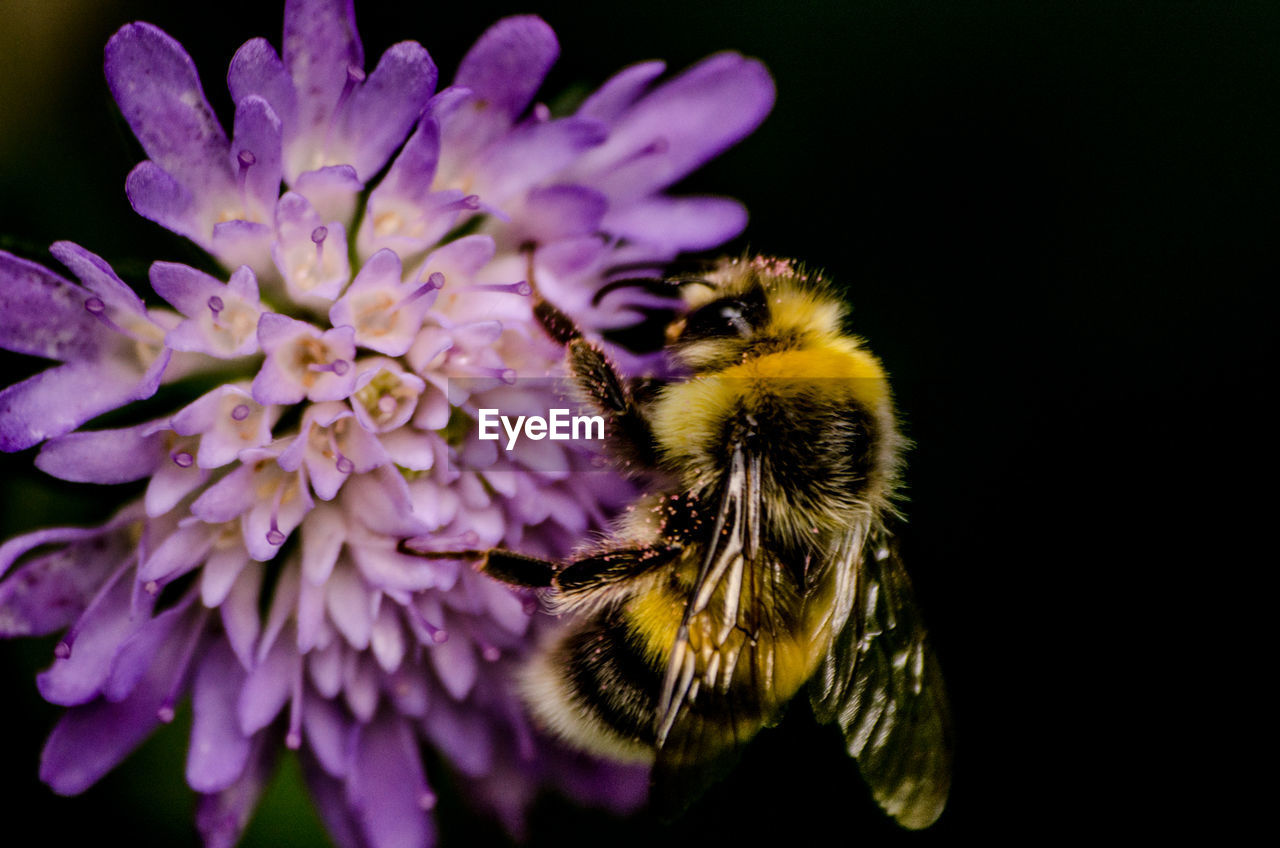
x=518, y=569
x=507, y=566
x=596, y=377
x=588, y=573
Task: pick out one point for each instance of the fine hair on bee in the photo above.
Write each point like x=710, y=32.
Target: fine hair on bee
x=759, y=562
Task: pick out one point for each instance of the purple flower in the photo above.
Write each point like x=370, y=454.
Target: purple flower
x=259, y=575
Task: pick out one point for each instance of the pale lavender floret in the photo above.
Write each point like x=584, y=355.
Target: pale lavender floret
x=303, y=362
x=333, y=446
x=269, y=501
x=153, y=450
x=403, y=213
x=182, y=551
x=255, y=157
x=228, y=420
x=222, y=318
x=310, y=255
x=385, y=398
x=333, y=191
x=177, y=476
x=196, y=181
x=111, y=348
x=385, y=312
x=330, y=112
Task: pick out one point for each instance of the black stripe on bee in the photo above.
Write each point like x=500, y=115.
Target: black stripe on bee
x=609, y=675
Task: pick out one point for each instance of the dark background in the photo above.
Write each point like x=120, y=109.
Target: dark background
x=1057, y=225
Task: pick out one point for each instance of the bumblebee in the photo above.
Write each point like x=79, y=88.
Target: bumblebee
x=759, y=563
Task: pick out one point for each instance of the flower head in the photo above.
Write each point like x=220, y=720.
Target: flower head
x=379, y=238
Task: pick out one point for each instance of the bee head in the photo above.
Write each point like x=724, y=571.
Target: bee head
x=751, y=307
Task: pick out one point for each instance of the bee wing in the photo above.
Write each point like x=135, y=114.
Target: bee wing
x=727, y=642
x=881, y=683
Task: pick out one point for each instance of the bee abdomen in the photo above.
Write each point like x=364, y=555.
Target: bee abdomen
x=596, y=688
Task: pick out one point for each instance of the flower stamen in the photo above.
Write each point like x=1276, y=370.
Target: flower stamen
x=342, y=463
x=244, y=161
x=318, y=235
x=337, y=366
x=437, y=633
x=96, y=307
x=274, y=535
x=293, y=738
x=521, y=288
x=470, y=203
x=435, y=282
x=167, y=710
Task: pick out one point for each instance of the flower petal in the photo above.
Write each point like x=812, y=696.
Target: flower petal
x=328, y=735
x=158, y=90
x=256, y=156
x=50, y=592
x=103, y=456
x=257, y=70
x=57, y=401
x=137, y=652
x=679, y=126
x=387, y=787
x=685, y=223
x=43, y=315
x=321, y=45
x=508, y=63
x=219, y=751
x=221, y=817
x=79, y=677
x=267, y=688
x=611, y=100
x=156, y=195
x=383, y=110
x=90, y=740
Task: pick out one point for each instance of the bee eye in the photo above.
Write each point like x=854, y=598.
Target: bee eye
x=726, y=317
